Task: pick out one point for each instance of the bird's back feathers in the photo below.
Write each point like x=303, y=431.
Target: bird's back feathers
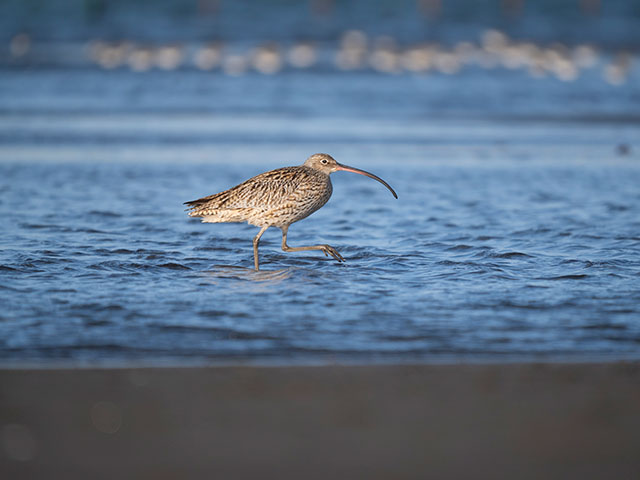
x=266, y=198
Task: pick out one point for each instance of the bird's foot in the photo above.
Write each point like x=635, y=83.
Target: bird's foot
x=329, y=250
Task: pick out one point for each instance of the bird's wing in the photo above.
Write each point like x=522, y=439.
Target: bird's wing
x=264, y=191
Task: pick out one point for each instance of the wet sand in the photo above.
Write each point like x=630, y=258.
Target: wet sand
x=429, y=421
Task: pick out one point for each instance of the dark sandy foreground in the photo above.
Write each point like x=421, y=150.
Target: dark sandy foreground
x=388, y=422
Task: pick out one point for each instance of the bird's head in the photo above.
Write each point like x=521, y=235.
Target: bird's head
x=322, y=162
x=327, y=164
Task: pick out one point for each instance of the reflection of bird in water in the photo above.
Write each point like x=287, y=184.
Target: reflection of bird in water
x=277, y=199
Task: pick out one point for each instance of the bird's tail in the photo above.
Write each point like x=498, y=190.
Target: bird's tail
x=217, y=209
x=221, y=216
x=203, y=206
x=211, y=214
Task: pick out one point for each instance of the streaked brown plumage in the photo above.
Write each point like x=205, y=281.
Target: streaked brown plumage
x=277, y=199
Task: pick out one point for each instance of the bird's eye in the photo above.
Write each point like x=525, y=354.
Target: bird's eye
x=324, y=161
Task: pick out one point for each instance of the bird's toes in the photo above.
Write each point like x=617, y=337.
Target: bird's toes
x=333, y=252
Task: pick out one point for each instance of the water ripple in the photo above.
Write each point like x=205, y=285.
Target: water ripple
x=476, y=262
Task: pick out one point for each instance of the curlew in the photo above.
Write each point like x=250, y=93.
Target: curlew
x=277, y=198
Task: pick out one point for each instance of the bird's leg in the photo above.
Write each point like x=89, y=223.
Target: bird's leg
x=326, y=249
x=256, y=240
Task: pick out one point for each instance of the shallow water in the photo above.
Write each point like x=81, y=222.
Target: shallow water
x=495, y=259
x=516, y=234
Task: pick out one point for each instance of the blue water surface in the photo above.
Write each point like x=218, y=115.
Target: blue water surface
x=516, y=234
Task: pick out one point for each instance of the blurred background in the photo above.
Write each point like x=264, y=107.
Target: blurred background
x=169, y=68
x=329, y=57
x=509, y=128
x=166, y=67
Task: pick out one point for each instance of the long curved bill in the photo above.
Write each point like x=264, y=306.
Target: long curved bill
x=346, y=168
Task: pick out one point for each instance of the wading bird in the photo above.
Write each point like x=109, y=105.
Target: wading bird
x=277, y=199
